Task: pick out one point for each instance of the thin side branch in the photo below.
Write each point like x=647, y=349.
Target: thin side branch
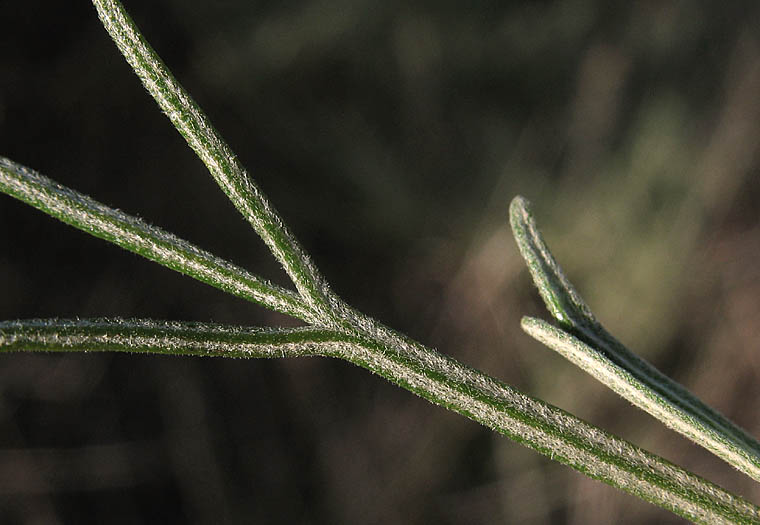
x=160, y=337
x=221, y=162
x=137, y=236
x=442, y=380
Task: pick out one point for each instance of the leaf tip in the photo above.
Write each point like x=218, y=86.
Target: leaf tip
x=531, y=325
x=519, y=208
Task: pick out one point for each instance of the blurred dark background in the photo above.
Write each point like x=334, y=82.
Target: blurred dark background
x=391, y=136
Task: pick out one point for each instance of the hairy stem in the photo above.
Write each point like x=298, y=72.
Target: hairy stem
x=441, y=380
x=159, y=337
x=221, y=162
x=137, y=236
x=339, y=331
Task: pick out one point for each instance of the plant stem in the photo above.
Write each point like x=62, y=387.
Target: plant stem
x=221, y=162
x=159, y=337
x=441, y=380
x=339, y=331
x=137, y=236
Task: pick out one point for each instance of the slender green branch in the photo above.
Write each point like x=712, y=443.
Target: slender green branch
x=358, y=339
x=587, y=344
x=221, y=162
x=137, y=236
x=423, y=371
x=551, y=431
x=160, y=337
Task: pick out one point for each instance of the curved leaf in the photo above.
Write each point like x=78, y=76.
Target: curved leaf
x=587, y=344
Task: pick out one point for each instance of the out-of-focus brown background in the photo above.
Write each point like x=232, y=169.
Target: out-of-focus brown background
x=391, y=136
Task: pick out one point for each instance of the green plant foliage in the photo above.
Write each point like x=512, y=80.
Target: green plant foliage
x=585, y=342
x=334, y=328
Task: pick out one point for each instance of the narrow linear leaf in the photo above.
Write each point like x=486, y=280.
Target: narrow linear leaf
x=159, y=337
x=135, y=235
x=561, y=298
x=439, y=379
x=587, y=344
x=211, y=148
x=630, y=387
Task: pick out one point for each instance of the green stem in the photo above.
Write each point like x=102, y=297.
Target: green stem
x=158, y=337
x=359, y=340
x=221, y=162
x=137, y=236
x=441, y=380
